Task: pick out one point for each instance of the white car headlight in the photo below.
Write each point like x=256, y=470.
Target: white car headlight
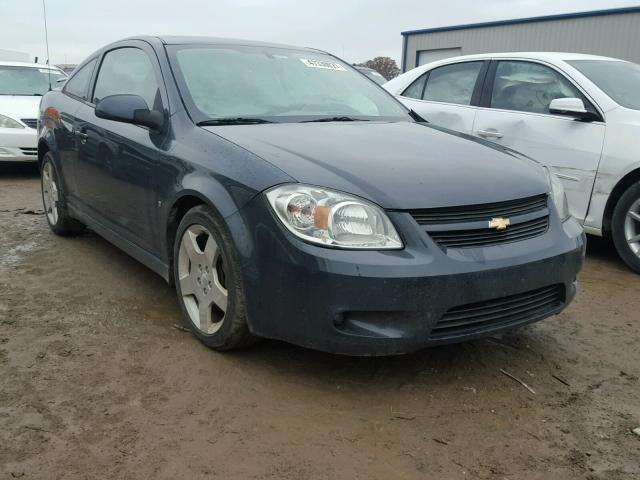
x=558, y=195
x=333, y=219
x=6, y=122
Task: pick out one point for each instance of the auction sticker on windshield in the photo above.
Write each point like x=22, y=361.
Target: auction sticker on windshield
x=323, y=64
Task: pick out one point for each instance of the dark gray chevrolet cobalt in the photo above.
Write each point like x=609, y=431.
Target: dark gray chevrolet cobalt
x=287, y=196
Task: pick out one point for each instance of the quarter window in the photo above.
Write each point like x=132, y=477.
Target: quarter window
x=529, y=87
x=616, y=78
x=416, y=88
x=127, y=71
x=78, y=84
x=453, y=83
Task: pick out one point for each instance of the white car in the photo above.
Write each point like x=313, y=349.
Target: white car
x=578, y=114
x=21, y=87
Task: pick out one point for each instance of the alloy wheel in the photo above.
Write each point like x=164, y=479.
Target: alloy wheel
x=50, y=193
x=202, y=279
x=632, y=227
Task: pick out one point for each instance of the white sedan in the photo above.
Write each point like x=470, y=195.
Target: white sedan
x=21, y=87
x=578, y=114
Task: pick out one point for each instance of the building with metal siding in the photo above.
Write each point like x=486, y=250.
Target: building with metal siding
x=612, y=33
x=13, y=56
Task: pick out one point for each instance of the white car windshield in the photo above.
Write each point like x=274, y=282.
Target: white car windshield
x=375, y=76
x=15, y=80
x=620, y=80
x=276, y=85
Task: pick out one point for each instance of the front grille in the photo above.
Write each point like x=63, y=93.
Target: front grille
x=486, y=236
x=29, y=151
x=474, y=213
x=480, y=317
x=30, y=122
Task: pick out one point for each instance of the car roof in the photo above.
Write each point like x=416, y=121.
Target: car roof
x=27, y=64
x=549, y=56
x=190, y=40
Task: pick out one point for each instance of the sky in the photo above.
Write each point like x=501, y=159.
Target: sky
x=353, y=30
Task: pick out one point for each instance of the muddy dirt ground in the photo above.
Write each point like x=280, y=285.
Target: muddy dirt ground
x=95, y=382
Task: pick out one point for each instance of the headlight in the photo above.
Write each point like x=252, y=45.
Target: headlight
x=558, y=195
x=6, y=122
x=333, y=219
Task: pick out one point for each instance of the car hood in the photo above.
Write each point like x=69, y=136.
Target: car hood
x=401, y=165
x=19, y=106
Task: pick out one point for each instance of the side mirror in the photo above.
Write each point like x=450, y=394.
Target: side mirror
x=129, y=109
x=572, y=107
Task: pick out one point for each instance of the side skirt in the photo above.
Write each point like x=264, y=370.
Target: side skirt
x=147, y=259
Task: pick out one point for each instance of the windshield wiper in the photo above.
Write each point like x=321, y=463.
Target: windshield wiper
x=232, y=121
x=335, y=119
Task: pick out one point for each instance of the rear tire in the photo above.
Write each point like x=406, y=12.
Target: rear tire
x=208, y=281
x=53, y=200
x=625, y=227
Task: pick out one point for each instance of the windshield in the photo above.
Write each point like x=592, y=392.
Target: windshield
x=27, y=80
x=277, y=85
x=620, y=80
x=375, y=76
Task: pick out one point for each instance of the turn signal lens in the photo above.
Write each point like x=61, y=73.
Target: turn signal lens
x=331, y=218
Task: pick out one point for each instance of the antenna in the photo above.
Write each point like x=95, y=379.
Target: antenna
x=46, y=38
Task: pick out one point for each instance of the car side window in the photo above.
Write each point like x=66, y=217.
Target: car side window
x=129, y=71
x=529, y=87
x=452, y=83
x=416, y=88
x=78, y=84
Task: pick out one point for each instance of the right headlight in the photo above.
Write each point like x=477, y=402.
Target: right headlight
x=558, y=195
x=7, y=122
x=333, y=219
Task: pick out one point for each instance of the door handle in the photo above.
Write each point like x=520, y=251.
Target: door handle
x=82, y=136
x=489, y=133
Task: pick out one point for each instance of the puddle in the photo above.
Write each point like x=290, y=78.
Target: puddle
x=15, y=254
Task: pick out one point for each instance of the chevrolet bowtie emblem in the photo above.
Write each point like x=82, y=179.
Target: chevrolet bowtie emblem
x=499, y=223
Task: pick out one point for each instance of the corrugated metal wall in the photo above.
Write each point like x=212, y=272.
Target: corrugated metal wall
x=13, y=56
x=610, y=35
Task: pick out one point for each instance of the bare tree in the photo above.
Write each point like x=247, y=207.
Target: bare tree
x=385, y=66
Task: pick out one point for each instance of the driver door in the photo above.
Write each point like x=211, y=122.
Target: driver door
x=117, y=160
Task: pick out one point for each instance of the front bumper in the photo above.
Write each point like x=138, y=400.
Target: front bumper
x=18, y=145
x=388, y=302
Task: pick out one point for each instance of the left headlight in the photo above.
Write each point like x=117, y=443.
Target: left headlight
x=7, y=122
x=333, y=219
x=558, y=195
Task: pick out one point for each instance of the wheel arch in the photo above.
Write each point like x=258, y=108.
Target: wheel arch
x=43, y=148
x=181, y=204
x=47, y=143
x=623, y=184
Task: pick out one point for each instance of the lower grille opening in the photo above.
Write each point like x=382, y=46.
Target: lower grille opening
x=475, y=318
x=29, y=151
x=30, y=122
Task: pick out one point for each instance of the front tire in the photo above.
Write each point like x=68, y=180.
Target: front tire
x=625, y=227
x=208, y=281
x=53, y=200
